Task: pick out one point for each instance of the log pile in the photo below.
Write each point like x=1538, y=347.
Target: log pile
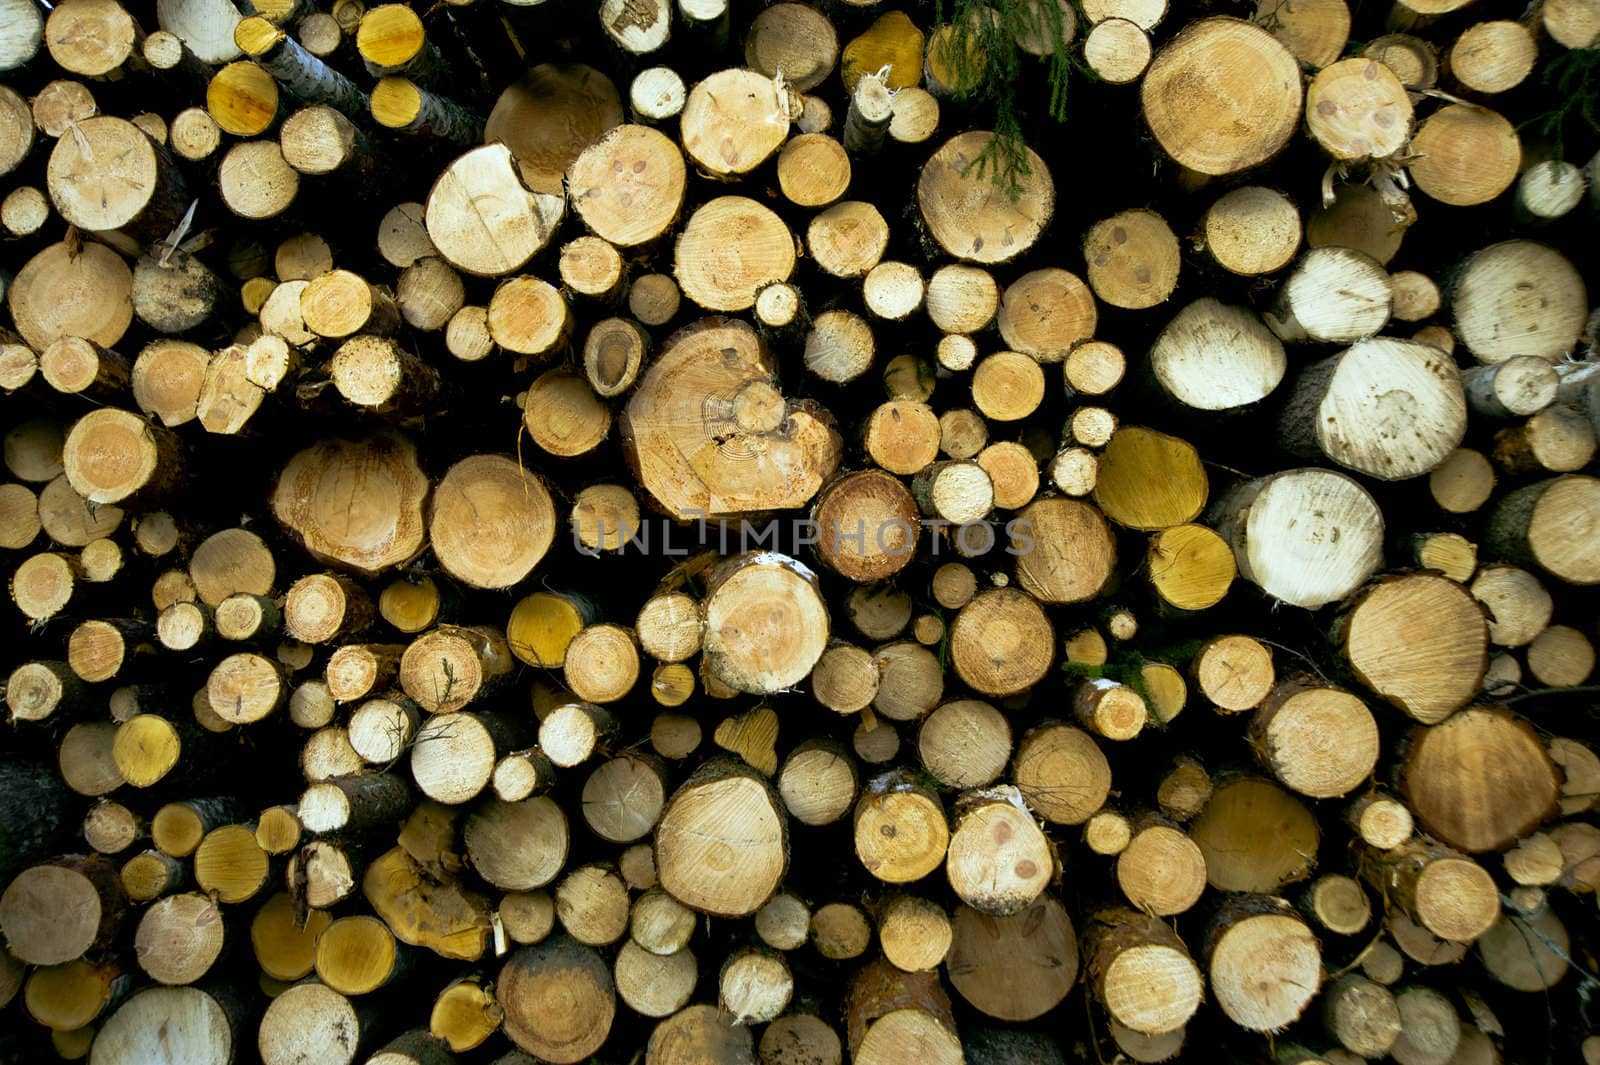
x=705, y=533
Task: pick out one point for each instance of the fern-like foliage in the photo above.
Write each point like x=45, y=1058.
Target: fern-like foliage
x=979, y=50
x=1573, y=80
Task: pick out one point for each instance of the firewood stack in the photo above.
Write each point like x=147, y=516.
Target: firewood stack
x=700, y=533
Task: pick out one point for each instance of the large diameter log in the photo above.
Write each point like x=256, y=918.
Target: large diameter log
x=1141, y=972
x=1518, y=297
x=972, y=217
x=548, y=117
x=491, y=521
x=1214, y=356
x=721, y=844
x=1255, y=836
x=162, y=1024
x=1265, y=965
x=1206, y=112
x=733, y=121
x=1304, y=563
x=999, y=860
x=1013, y=968
x=766, y=624
x=1065, y=551
x=356, y=505
x=72, y=291
x=1317, y=739
x=710, y=435
x=1001, y=642
x=1480, y=780
x=109, y=175
x=1552, y=525
x=483, y=219
x=729, y=250
x=887, y=1011
x=1420, y=641
x=1392, y=409
x=867, y=525
x=558, y=998
x=58, y=911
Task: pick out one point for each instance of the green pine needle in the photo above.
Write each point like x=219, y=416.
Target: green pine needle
x=981, y=52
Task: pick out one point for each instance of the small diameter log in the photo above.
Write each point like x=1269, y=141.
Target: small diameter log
x=1558, y=439
x=754, y=986
x=1338, y=903
x=1301, y=562
x=1516, y=387
x=1027, y=327
x=887, y=1010
x=376, y=375
x=623, y=799
x=179, y=938
x=1334, y=295
x=353, y=671
x=901, y=833
x=1013, y=968
x=721, y=844
x=1517, y=604
x=765, y=622
x=998, y=860
x=325, y=607
x=256, y=182
x=1141, y=972
x=491, y=521
x=454, y=754
x=1214, y=356
x=306, y=76
x=840, y=931
x=1263, y=962
x=464, y=1016
x=355, y=802
x=1132, y=259
x=1445, y=659
x=401, y=104
x=1438, y=771
x=572, y=733
x=230, y=863
x=357, y=955
x=1318, y=740
x=558, y=998
x=1110, y=710
x=662, y=925
x=1252, y=230
x=867, y=525
x=1543, y=524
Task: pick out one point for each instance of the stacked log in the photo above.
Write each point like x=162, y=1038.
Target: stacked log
x=695, y=533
